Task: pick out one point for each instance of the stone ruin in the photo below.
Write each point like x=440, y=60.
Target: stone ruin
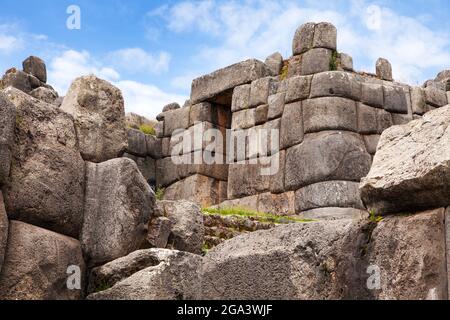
x=365, y=158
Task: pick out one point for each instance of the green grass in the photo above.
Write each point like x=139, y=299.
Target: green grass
x=374, y=217
x=102, y=287
x=334, y=60
x=259, y=216
x=160, y=193
x=205, y=248
x=147, y=129
x=284, y=72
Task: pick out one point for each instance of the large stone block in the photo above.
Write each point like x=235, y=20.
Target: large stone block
x=45, y=94
x=411, y=167
x=338, y=194
x=332, y=214
x=137, y=143
x=418, y=101
x=276, y=105
x=335, y=83
x=154, y=146
x=346, y=62
x=325, y=36
x=20, y=80
x=260, y=91
x=329, y=155
x=329, y=113
x=36, y=67
x=291, y=131
x=274, y=63
x=246, y=179
x=7, y=126
x=206, y=112
x=46, y=183
x=435, y=97
x=153, y=274
x=373, y=120
x=241, y=98
x=119, y=203
x=303, y=38
x=37, y=265
x=98, y=110
x=4, y=223
x=371, y=142
x=219, y=82
x=176, y=120
x=146, y=165
x=243, y=119
x=384, y=69
x=298, y=88
x=277, y=204
x=395, y=99
x=409, y=251
x=315, y=61
x=372, y=94
x=167, y=172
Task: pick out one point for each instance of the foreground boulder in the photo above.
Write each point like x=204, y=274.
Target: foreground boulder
x=185, y=224
x=46, y=183
x=154, y=274
x=45, y=94
x=36, y=265
x=4, y=223
x=98, y=110
x=7, y=125
x=118, y=206
x=411, y=169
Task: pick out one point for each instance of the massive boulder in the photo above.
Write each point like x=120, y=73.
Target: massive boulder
x=98, y=110
x=38, y=264
x=187, y=230
x=7, y=125
x=36, y=67
x=118, y=206
x=154, y=274
x=4, y=223
x=45, y=94
x=46, y=183
x=20, y=80
x=411, y=169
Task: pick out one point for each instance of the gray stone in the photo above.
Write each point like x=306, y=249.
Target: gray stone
x=46, y=183
x=329, y=113
x=116, y=195
x=277, y=204
x=447, y=242
x=241, y=98
x=246, y=179
x=373, y=120
x=338, y=194
x=298, y=88
x=411, y=167
x=410, y=253
x=384, y=69
x=261, y=113
x=331, y=214
x=98, y=110
x=325, y=36
x=212, y=85
x=303, y=38
x=274, y=63
x=146, y=165
x=346, y=62
x=371, y=142
x=167, y=172
x=171, y=106
x=36, y=265
x=329, y=155
x=4, y=223
x=291, y=131
x=260, y=91
x=206, y=112
x=45, y=94
x=276, y=105
x=154, y=146
x=137, y=143
x=176, y=120
x=335, y=83
x=401, y=119
x=36, y=67
x=153, y=274
x=243, y=119
x=7, y=126
x=315, y=61
x=294, y=67
x=159, y=129
x=277, y=180
x=418, y=101
x=159, y=229
x=435, y=84
x=372, y=94
x=435, y=97
x=187, y=231
x=20, y=80
x=395, y=99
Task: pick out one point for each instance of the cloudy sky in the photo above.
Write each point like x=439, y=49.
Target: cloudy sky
x=153, y=49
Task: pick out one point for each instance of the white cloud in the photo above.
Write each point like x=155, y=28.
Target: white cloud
x=9, y=44
x=137, y=60
x=144, y=99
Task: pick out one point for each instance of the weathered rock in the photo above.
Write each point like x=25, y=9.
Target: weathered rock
x=176, y=120
x=371, y=142
x=328, y=155
x=137, y=143
x=346, y=62
x=373, y=120
x=154, y=146
x=159, y=229
x=98, y=110
x=409, y=250
x=46, y=183
x=274, y=63
x=297, y=261
x=260, y=90
x=303, y=38
x=146, y=165
x=411, y=167
x=243, y=119
x=37, y=265
x=187, y=231
x=315, y=61
x=335, y=83
x=4, y=223
x=118, y=206
x=330, y=214
x=20, y=80
x=171, y=106
x=395, y=99
x=384, y=69
x=329, y=113
x=7, y=125
x=45, y=94
x=210, y=86
x=246, y=179
x=241, y=98
x=298, y=88
x=135, y=121
x=261, y=113
x=338, y=194
x=36, y=67
x=325, y=36
x=277, y=204
x=435, y=97
x=372, y=94
x=291, y=131
x=276, y=105
x=418, y=102
x=154, y=274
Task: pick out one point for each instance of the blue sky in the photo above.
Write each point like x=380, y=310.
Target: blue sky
x=153, y=49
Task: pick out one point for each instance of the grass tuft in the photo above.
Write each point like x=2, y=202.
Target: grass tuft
x=147, y=129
